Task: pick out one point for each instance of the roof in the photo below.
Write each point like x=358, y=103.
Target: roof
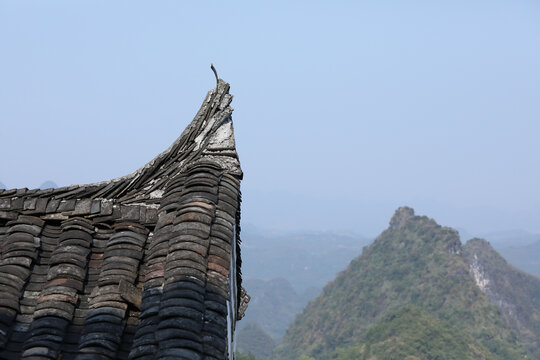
x=144, y=266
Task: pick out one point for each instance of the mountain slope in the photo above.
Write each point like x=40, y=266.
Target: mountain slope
x=252, y=339
x=412, y=333
x=273, y=305
x=415, y=261
x=513, y=291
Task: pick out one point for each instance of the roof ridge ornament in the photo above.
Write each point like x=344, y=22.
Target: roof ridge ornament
x=215, y=73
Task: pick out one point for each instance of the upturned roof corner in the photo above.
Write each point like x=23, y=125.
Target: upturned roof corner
x=142, y=266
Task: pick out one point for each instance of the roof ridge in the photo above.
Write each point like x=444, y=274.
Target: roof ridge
x=141, y=183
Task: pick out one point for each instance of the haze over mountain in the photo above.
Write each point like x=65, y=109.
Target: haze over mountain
x=503, y=238
x=305, y=259
x=275, y=301
x=283, y=271
x=418, y=263
x=444, y=112
x=311, y=259
x=274, y=304
x=373, y=103
x=525, y=257
x=2, y=186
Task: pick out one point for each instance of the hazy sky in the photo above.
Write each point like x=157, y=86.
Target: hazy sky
x=345, y=110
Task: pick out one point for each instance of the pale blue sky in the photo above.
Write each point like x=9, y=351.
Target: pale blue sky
x=345, y=110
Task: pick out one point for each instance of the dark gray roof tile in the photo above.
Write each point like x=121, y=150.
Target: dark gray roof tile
x=158, y=240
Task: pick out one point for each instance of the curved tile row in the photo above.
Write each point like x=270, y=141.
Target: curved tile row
x=20, y=249
x=182, y=307
x=222, y=240
x=187, y=268
x=65, y=281
x=120, y=289
x=108, y=305
x=138, y=266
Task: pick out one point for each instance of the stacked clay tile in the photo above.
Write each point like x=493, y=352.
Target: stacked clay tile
x=146, y=266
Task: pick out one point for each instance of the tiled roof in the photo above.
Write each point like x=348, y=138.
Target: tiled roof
x=146, y=266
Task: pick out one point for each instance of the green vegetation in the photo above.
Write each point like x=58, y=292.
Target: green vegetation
x=415, y=262
x=252, y=339
x=412, y=333
x=516, y=291
x=249, y=356
x=273, y=306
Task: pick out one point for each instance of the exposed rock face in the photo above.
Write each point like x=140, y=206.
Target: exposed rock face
x=146, y=266
x=514, y=292
x=479, y=274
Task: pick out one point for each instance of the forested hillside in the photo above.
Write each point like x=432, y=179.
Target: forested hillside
x=418, y=263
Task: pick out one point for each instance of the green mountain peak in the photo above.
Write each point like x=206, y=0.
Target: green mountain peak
x=401, y=216
x=415, y=262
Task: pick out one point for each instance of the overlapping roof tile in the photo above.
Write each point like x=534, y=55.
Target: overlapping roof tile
x=146, y=266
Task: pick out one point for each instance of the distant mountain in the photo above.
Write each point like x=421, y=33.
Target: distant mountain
x=312, y=259
x=283, y=272
x=273, y=305
x=526, y=257
x=48, y=185
x=252, y=339
x=305, y=259
x=509, y=238
x=367, y=308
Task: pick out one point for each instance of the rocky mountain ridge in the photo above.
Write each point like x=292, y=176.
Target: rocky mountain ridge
x=416, y=262
x=513, y=291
